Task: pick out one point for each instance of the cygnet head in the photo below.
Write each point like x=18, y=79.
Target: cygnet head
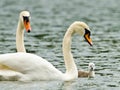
x=25, y=20
x=82, y=29
x=91, y=66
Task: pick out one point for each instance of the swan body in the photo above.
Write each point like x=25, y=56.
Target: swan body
x=24, y=22
x=90, y=73
x=30, y=66
x=23, y=66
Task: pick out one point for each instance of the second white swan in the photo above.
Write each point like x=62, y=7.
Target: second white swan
x=27, y=67
x=24, y=22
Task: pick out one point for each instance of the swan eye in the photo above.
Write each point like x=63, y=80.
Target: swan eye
x=26, y=18
x=87, y=32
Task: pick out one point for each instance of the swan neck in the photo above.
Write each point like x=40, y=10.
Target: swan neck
x=71, y=68
x=20, y=37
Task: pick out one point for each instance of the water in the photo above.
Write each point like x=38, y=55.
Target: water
x=50, y=19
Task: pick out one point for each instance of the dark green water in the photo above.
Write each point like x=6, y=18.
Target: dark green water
x=50, y=19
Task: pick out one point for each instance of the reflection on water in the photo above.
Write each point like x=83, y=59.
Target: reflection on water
x=49, y=23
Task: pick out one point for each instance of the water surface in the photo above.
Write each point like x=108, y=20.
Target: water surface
x=50, y=19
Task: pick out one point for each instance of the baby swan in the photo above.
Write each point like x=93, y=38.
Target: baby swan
x=90, y=73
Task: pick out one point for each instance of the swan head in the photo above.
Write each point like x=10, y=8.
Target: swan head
x=91, y=66
x=82, y=29
x=25, y=20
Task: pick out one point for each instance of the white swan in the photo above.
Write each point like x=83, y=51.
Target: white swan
x=24, y=22
x=26, y=67
x=90, y=73
x=20, y=36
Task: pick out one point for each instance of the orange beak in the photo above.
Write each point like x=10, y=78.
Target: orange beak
x=27, y=24
x=88, y=39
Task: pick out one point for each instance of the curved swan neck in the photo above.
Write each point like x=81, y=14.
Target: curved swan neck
x=68, y=58
x=20, y=37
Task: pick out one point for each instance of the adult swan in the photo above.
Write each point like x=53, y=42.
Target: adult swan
x=27, y=67
x=24, y=22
